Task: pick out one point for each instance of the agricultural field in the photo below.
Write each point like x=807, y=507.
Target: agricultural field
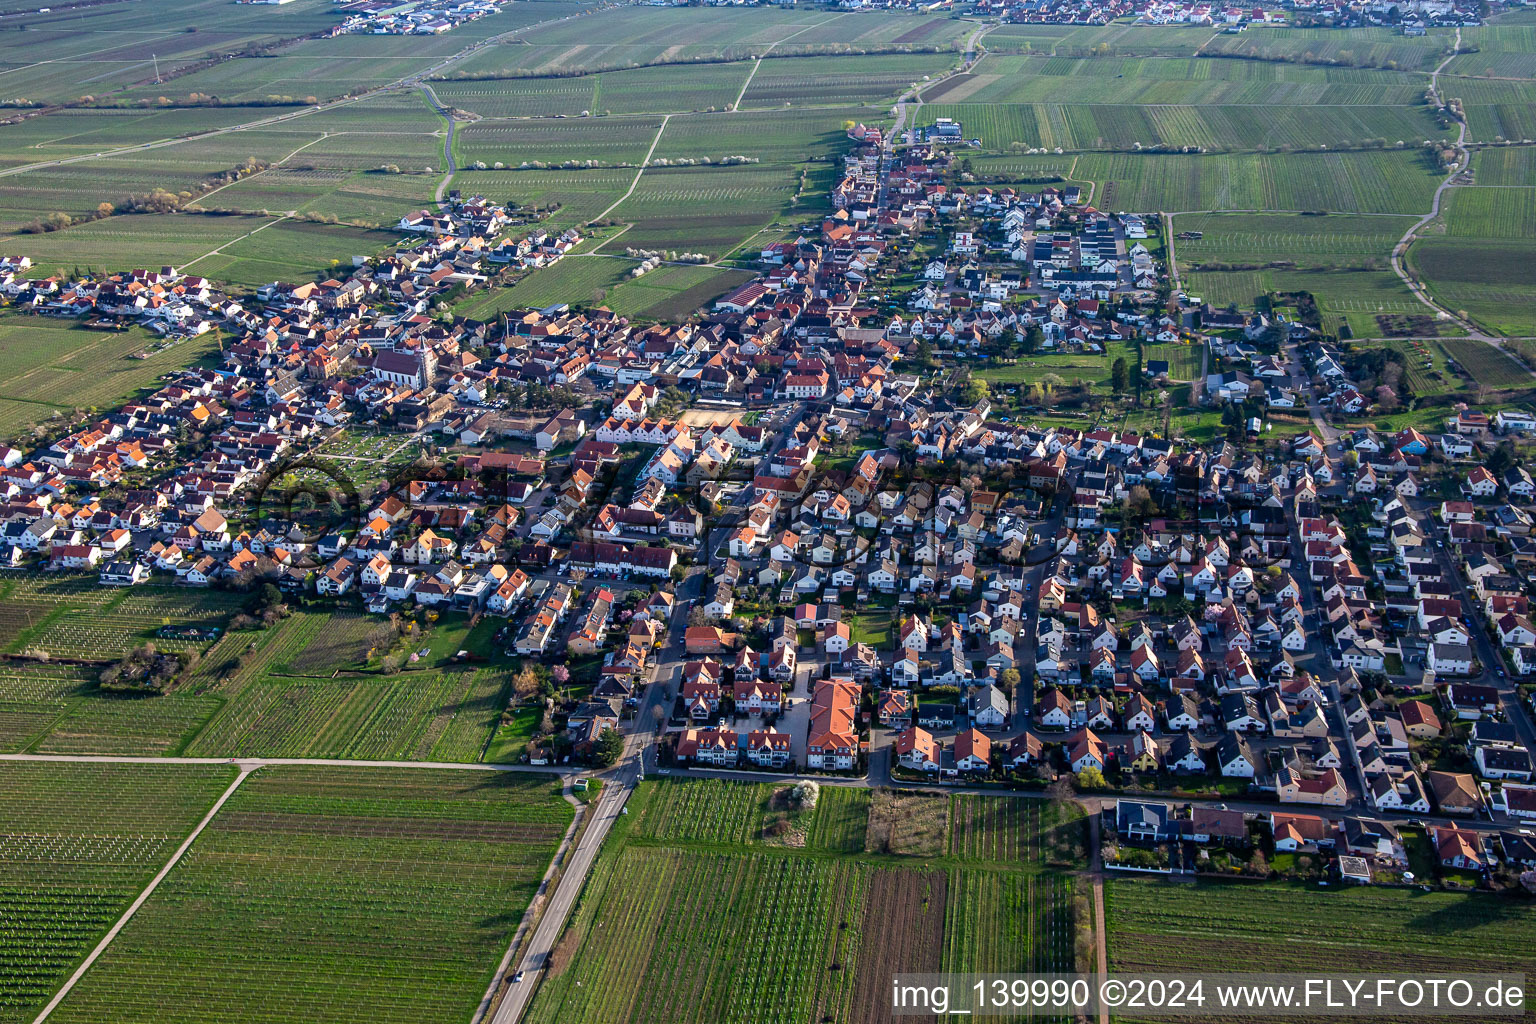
x=654, y=90
x=1384, y=48
x=1504, y=167
x=71, y=616
x=602, y=141
x=708, y=210
x=95, y=51
x=56, y=366
x=1391, y=181
x=1162, y=81
x=1341, y=260
x=629, y=37
x=1004, y=127
x=337, y=895
x=1424, y=367
x=1493, y=281
x=686, y=887
x=1215, y=926
x=817, y=81
x=79, y=842
x=108, y=246
x=673, y=292
x=414, y=716
x=1487, y=365
x=1016, y=831
x=1482, y=263
x=1490, y=213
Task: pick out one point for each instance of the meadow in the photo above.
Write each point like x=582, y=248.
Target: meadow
x=335, y=894
x=79, y=842
x=697, y=912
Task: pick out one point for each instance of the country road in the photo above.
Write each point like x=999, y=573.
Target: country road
x=450, y=164
x=619, y=783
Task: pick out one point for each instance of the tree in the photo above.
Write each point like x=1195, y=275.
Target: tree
x=1090, y=778
x=1119, y=376
x=1008, y=679
x=976, y=391
x=560, y=674
x=1502, y=459
x=526, y=683
x=1034, y=337
x=610, y=746
x=1139, y=503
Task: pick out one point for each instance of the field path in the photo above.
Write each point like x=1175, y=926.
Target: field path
x=1400, y=250
x=769, y=49
x=214, y=252
x=915, y=94
x=276, y=163
x=750, y=75
x=643, y=165
x=450, y=165
x=1096, y=875
x=106, y=940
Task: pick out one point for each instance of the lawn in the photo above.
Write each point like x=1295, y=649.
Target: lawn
x=510, y=740
x=873, y=628
x=80, y=842
x=335, y=895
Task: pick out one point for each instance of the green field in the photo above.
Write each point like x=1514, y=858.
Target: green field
x=335, y=894
x=793, y=933
x=1482, y=264
x=293, y=690
x=1488, y=365
x=80, y=841
x=56, y=366
x=1003, y=127
x=69, y=615
x=1215, y=926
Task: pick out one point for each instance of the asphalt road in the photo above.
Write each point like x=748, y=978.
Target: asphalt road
x=619, y=783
